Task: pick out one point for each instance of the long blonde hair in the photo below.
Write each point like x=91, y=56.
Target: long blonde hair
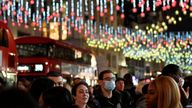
x=168, y=92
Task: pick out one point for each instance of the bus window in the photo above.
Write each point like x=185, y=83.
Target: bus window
x=3, y=38
x=11, y=61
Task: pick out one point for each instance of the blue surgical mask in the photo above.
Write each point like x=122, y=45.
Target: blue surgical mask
x=109, y=85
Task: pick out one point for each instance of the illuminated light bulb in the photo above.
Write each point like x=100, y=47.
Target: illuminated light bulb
x=147, y=28
x=148, y=9
x=32, y=2
x=122, y=16
x=133, y=33
x=136, y=27
x=153, y=25
x=13, y=23
x=174, y=4
x=185, y=12
x=164, y=8
x=165, y=27
x=117, y=7
x=142, y=14
x=167, y=17
x=157, y=27
x=134, y=10
x=169, y=21
x=105, y=10
x=26, y=26
x=180, y=18
x=191, y=14
x=190, y=8
x=187, y=6
x=176, y=12
x=163, y=23
x=175, y=22
x=168, y=6
x=101, y=14
x=98, y=8
x=155, y=32
x=172, y=18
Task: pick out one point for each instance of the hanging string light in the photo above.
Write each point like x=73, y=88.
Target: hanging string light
x=101, y=31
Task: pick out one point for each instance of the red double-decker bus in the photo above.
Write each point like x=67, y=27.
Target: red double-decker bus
x=40, y=55
x=8, y=57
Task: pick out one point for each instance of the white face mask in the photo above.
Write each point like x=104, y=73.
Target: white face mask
x=109, y=85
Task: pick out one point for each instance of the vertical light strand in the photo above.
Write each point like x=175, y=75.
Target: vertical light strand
x=92, y=10
x=61, y=6
x=13, y=12
x=122, y=9
x=77, y=25
x=111, y=10
x=57, y=12
x=97, y=4
x=105, y=6
x=54, y=10
x=154, y=5
x=181, y=3
x=43, y=10
x=134, y=6
x=81, y=14
x=190, y=5
x=66, y=10
x=101, y=8
x=173, y=3
x=8, y=9
x=147, y=6
x=72, y=13
x=26, y=14
x=37, y=13
x=168, y=4
x=4, y=11
x=19, y=14
x=142, y=9
x=86, y=8
x=69, y=26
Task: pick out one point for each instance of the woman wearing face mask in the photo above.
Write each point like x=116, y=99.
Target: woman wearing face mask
x=80, y=93
x=104, y=92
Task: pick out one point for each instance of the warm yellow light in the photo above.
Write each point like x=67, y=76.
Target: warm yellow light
x=147, y=28
x=185, y=12
x=136, y=27
x=153, y=25
x=163, y=23
x=176, y=12
x=175, y=22
x=180, y=18
x=167, y=17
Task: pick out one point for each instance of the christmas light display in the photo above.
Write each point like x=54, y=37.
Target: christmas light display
x=97, y=21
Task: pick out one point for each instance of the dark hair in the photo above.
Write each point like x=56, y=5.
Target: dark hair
x=54, y=73
x=171, y=69
x=74, y=89
x=145, y=88
x=16, y=98
x=128, y=77
x=57, y=97
x=101, y=74
x=39, y=85
x=119, y=79
x=3, y=83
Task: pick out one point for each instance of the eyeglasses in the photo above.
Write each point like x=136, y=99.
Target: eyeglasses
x=109, y=78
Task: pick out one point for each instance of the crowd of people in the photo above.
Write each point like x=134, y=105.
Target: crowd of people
x=168, y=90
